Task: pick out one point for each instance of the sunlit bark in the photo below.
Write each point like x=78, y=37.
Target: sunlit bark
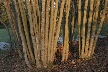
x=13, y=25
x=79, y=23
x=47, y=30
x=102, y=16
x=73, y=17
x=59, y=24
x=22, y=35
x=39, y=36
x=89, y=26
x=83, y=34
x=66, y=36
x=54, y=27
x=42, y=31
x=50, y=31
x=95, y=16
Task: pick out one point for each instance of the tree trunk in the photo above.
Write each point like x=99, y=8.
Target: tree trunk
x=42, y=32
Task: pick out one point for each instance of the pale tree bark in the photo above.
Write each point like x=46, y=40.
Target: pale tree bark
x=36, y=31
x=89, y=26
x=25, y=51
x=73, y=17
x=47, y=30
x=54, y=27
x=45, y=23
x=38, y=28
x=87, y=49
x=33, y=29
x=79, y=23
x=102, y=16
x=38, y=19
x=24, y=20
x=42, y=31
x=13, y=25
x=95, y=16
x=66, y=36
x=59, y=24
x=83, y=29
x=50, y=31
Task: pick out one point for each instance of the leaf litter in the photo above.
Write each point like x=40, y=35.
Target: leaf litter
x=99, y=62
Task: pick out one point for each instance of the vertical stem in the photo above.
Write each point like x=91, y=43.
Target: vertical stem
x=94, y=27
x=50, y=32
x=24, y=44
x=73, y=17
x=46, y=30
x=84, y=27
x=42, y=31
x=24, y=20
x=100, y=26
x=32, y=20
x=54, y=27
x=79, y=23
x=66, y=38
x=13, y=25
x=59, y=24
x=89, y=26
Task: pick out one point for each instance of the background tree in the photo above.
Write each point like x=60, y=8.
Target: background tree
x=3, y=14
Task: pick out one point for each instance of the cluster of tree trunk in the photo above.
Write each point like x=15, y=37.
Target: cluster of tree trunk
x=37, y=24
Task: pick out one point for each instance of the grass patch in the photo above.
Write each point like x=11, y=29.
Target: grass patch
x=104, y=31
x=4, y=36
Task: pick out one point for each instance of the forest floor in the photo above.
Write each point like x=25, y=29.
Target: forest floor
x=99, y=62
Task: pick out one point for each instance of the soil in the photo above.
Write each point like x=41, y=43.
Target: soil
x=99, y=62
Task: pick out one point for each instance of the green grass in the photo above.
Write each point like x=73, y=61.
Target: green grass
x=4, y=36
x=104, y=31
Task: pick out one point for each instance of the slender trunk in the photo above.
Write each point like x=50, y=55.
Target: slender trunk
x=83, y=28
x=13, y=25
x=73, y=17
x=59, y=24
x=42, y=31
x=102, y=16
x=33, y=22
x=46, y=30
x=89, y=26
x=50, y=32
x=94, y=26
x=54, y=27
x=79, y=23
x=24, y=44
x=66, y=37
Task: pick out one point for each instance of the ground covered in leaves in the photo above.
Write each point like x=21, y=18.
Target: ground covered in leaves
x=99, y=62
